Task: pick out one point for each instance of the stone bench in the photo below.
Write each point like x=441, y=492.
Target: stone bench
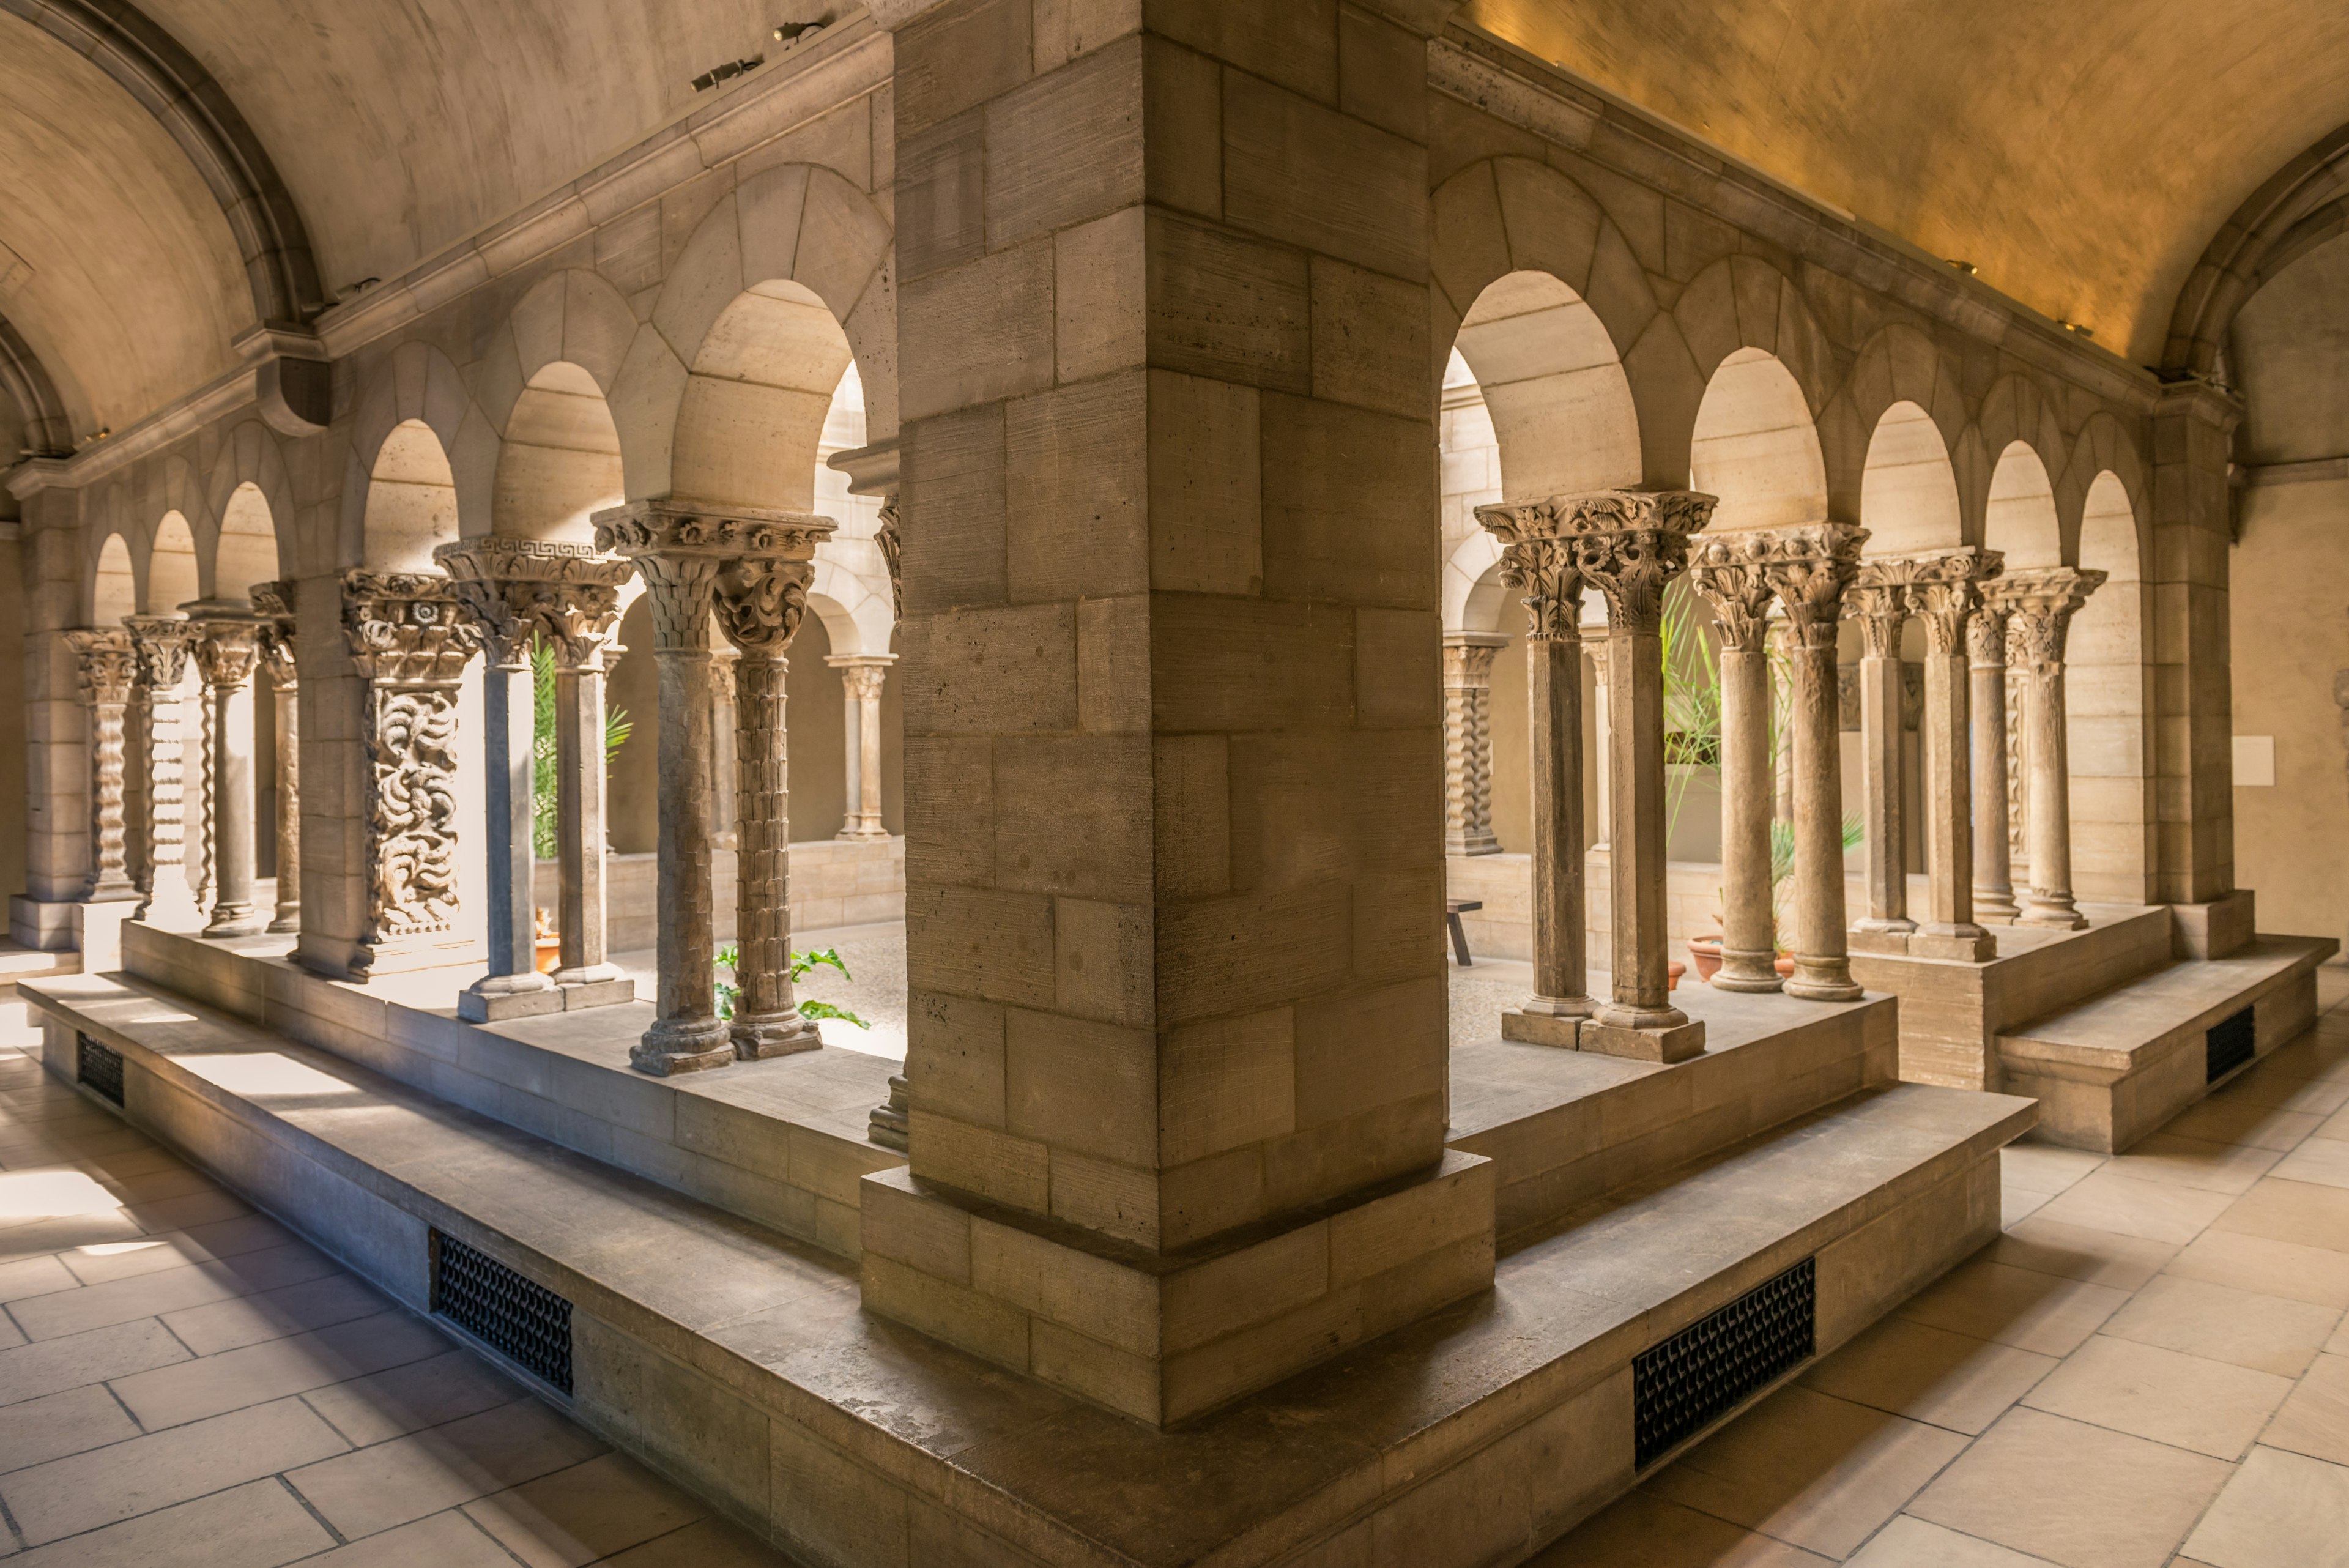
x=2110, y=1070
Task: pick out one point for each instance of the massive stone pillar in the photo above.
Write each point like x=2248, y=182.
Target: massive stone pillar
x=1945, y=596
x=228, y=651
x=1810, y=568
x=1879, y=599
x=1468, y=741
x=862, y=675
x=1729, y=571
x=1993, y=852
x=1173, y=702
x=2044, y=600
x=410, y=643
x=2193, y=433
x=108, y=667
x=762, y=598
x=276, y=602
x=163, y=643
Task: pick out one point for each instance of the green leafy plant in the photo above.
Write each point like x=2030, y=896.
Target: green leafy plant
x=617, y=727
x=1692, y=699
x=729, y=995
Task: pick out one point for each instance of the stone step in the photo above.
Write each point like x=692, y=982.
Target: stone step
x=19, y=962
x=2111, y=1069
x=741, y=1361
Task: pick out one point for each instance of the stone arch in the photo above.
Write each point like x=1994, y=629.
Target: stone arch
x=544, y=384
x=2018, y=510
x=2109, y=711
x=1900, y=364
x=246, y=553
x=1736, y=309
x=850, y=567
x=174, y=573
x=411, y=500
x=111, y=586
x=799, y=240
x=1561, y=407
x=1754, y=443
x=416, y=397
x=1908, y=487
x=249, y=456
x=2015, y=410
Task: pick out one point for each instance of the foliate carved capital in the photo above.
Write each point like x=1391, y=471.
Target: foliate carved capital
x=1627, y=542
x=863, y=675
x=228, y=641
x=1633, y=569
x=162, y=643
x=1881, y=608
x=274, y=602
x=677, y=526
x=107, y=665
x=407, y=629
x=1545, y=570
x=1809, y=568
x=1729, y=571
x=1468, y=659
x=2042, y=601
x=515, y=588
x=1942, y=588
x=760, y=602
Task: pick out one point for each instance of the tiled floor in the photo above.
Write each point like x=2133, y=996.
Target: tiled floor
x=2149, y=1368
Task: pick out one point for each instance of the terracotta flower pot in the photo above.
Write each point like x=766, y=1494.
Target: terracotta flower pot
x=1705, y=953
x=1784, y=963
x=1673, y=969
x=550, y=953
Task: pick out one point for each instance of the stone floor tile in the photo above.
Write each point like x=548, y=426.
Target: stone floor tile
x=152, y=1186
x=2286, y=1092
x=1929, y=1375
x=2081, y=1252
x=257, y=1525
x=73, y=1231
x=2315, y=1274
x=2280, y=1511
x=67, y=1496
x=2044, y=1168
x=72, y=1422
x=167, y=1290
x=196, y=1209
x=2238, y=1121
x=117, y=1351
x=2193, y=1162
x=1804, y=1468
x=11, y=1335
x=2318, y=1053
x=2267, y=1333
x=587, y=1512
x=2322, y=1161
x=714, y=1543
x=2075, y=1494
x=408, y=1478
x=1638, y=1532
x=439, y=1541
x=2156, y=1210
x=273, y=1315
x=2016, y=1204
x=211, y=1384
x=2022, y=1307
x=172, y=1249
x=369, y=1410
x=2186, y=1401
x=2314, y=1419
x=34, y=1277
x=1910, y=1543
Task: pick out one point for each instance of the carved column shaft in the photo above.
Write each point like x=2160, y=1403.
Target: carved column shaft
x=276, y=600
x=228, y=651
x=1879, y=600
x=162, y=644
x=108, y=669
x=1994, y=885
x=1815, y=566
x=1468, y=743
x=1729, y=573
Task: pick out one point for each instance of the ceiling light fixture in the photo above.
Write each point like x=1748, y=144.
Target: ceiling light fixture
x=2075, y=329
x=727, y=72
x=801, y=32
x=1966, y=267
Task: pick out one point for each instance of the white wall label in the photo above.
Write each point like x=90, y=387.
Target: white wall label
x=2254, y=762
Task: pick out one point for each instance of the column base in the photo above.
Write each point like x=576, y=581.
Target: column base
x=875, y=831
x=675, y=1045
x=2215, y=929
x=1484, y=844
x=1823, y=980
x=2051, y=914
x=168, y=913
x=775, y=1034
x=45, y=925
x=1530, y=1028
x=1751, y=972
x=891, y=1125
x=1965, y=943
x=235, y=920
x=1646, y=1042
x=1881, y=938
x=495, y=998
x=287, y=923
x=1995, y=904
x=578, y=995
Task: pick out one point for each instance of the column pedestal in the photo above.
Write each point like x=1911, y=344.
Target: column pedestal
x=1810, y=568
x=163, y=644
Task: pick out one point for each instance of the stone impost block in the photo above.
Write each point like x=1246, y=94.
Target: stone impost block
x=1167, y=1336
x=475, y=1008
x=1678, y=1043
x=1541, y=1029
x=1978, y=949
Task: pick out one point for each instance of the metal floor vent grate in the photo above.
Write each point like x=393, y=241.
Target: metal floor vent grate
x=99, y=1067
x=2228, y=1045
x=519, y=1318
x=1683, y=1383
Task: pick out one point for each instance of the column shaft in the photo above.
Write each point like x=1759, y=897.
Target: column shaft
x=579, y=823
x=686, y=1034
x=287, y=916
x=1468, y=743
x=228, y=651
x=1993, y=879
x=162, y=644
x=1554, y=691
x=2046, y=599
x=1881, y=608
x=1945, y=600
x=860, y=680
x=1820, y=564
x=509, y=720
x=108, y=668
x=1728, y=571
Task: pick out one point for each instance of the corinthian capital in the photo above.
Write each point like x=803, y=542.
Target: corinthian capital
x=1809, y=568
x=514, y=588
x=274, y=602
x=162, y=643
x=2042, y=600
x=1544, y=570
x=1730, y=571
x=407, y=629
x=107, y=665
x=228, y=640
x=680, y=525
x=1628, y=543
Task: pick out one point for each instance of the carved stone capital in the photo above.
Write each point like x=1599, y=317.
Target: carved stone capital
x=2042, y=601
x=515, y=588
x=1730, y=571
x=228, y=642
x=678, y=525
x=1627, y=542
x=407, y=629
x=1545, y=570
x=107, y=665
x=1942, y=588
x=1809, y=568
x=1468, y=658
x=863, y=675
x=1881, y=608
x=891, y=544
x=162, y=644
x=274, y=602
x=760, y=602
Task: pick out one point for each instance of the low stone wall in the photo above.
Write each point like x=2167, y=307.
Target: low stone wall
x=835, y=882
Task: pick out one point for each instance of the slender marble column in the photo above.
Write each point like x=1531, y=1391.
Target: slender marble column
x=276, y=600
x=1993, y=875
x=2044, y=599
x=1468, y=741
x=1601, y=731
x=228, y=651
x=1814, y=566
x=1728, y=571
x=1780, y=644
x=579, y=625
x=163, y=643
x=1945, y=597
x=1879, y=600
x=680, y=548
x=861, y=679
x=760, y=602
x=108, y=669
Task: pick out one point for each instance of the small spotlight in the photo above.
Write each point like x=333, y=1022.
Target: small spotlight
x=2076, y=330
x=727, y=72
x=1966, y=267
x=362, y=286
x=800, y=32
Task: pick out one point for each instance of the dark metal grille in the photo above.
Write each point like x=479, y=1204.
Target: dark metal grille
x=517, y=1317
x=1682, y=1386
x=2228, y=1045
x=98, y=1066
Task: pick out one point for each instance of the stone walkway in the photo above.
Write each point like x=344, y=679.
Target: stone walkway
x=2148, y=1369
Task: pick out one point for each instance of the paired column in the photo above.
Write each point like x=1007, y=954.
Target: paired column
x=2044, y=600
x=228, y=651
x=578, y=624
x=1993, y=851
x=410, y=640
x=1945, y=596
x=1728, y=571
x=162, y=644
x=1468, y=743
x=274, y=601
x=861, y=679
x=107, y=669
x=1809, y=569
x=681, y=550
x=1879, y=600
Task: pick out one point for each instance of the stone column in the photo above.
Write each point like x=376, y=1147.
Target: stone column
x=1945, y=597
x=1779, y=644
x=162, y=643
x=762, y=598
x=1468, y=741
x=1601, y=778
x=1879, y=600
x=1993, y=875
x=1810, y=568
x=2044, y=599
x=228, y=651
x=861, y=677
x=1728, y=571
x=681, y=549
x=409, y=641
x=108, y=667
x=275, y=601
x=578, y=621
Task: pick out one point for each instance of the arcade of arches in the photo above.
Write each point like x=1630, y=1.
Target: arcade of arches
x=1147, y=782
